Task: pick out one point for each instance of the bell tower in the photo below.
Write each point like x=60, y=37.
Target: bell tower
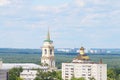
x=47, y=58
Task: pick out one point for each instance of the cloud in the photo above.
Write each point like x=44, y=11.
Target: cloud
x=4, y=2
x=56, y=9
x=115, y=12
x=42, y=8
x=91, y=3
x=90, y=19
x=98, y=1
x=80, y=3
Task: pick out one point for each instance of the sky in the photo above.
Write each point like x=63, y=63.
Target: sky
x=72, y=23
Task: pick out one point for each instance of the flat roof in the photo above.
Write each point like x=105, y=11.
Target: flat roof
x=7, y=66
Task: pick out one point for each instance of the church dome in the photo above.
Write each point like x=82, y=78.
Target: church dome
x=82, y=48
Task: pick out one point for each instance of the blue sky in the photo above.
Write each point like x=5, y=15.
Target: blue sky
x=72, y=23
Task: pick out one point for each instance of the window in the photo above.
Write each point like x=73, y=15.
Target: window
x=66, y=76
x=45, y=51
x=83, y=74
x=72, y=69
x=50, y=51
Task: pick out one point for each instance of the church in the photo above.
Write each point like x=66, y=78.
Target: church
x=48, y=58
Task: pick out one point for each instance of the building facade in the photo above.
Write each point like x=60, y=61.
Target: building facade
x=28, y=74
x=47, y=58
x=3, y=72
x=81, y=66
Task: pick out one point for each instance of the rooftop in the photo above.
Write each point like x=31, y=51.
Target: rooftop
x=7, y=66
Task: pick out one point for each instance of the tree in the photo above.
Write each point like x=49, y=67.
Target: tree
x=111, y=74
x=119, y=77
x=50, y=75
x=92, y=78
x=18, y=78
x=117, y=73
x=59, y=75
x=14, y=73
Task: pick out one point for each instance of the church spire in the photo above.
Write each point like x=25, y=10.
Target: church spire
x=48, y=52
x=48, y=37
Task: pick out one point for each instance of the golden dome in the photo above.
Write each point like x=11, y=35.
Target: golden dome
x=82, y=57
x=82, y=48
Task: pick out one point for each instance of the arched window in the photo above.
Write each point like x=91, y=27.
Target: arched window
x=45, y=51
x=50, y=51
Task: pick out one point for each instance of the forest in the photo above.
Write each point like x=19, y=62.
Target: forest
x=112, y=60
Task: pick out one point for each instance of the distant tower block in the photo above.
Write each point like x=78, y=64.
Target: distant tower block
x=47, y=58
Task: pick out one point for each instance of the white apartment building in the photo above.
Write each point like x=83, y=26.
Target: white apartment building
x=81, y=66
x=3, y=72
x=28, y=74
